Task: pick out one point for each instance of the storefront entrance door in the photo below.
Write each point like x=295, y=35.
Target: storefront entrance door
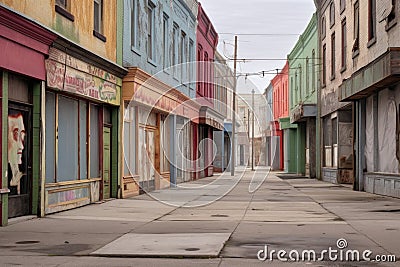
x=106, y=162
x=147, y=158
x=19, y=160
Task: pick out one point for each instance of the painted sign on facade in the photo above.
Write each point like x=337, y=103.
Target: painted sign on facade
x=17, y=156
x=69, y=74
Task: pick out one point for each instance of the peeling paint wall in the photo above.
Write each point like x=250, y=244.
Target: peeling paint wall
x=81, y=29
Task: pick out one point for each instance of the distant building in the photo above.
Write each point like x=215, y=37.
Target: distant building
x=223, y=83
x=281, y=126
x=209, y=118
x=250, y=112
x=270, y=159
x=303, y=77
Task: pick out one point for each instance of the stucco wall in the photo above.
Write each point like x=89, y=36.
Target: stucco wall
x=81, y=29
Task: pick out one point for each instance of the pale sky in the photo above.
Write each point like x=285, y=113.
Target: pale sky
x=276, y=23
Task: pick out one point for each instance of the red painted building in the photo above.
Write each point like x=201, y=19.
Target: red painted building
x=24, y=47
x=280, y=95
x=209, y=119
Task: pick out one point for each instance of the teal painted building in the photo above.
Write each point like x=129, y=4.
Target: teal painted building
x=303, y=84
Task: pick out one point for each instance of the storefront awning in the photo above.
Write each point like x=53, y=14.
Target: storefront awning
x=24, y=45
x=378, y=74
x=284, y=123
x=302, y=112
x=211, y=117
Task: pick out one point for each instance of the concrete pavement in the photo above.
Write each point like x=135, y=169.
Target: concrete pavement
x=216, y=213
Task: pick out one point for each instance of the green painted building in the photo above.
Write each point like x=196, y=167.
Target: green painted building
x=303, y=84
x=289, y=144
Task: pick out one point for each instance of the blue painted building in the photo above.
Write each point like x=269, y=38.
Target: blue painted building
x=158, y=39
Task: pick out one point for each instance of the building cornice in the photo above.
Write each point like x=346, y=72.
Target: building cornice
x=305, y=38
x=27, y=29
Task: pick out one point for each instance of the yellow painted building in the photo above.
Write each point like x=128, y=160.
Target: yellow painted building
x=75, y=21
x=62, y=85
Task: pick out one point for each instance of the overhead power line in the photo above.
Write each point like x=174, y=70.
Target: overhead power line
x=260, y=34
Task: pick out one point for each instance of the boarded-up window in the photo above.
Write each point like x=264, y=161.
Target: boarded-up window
x=67, y=167
x=94, y=142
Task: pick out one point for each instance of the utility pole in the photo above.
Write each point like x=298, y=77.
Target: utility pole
x=233, y=156
x=252, y=131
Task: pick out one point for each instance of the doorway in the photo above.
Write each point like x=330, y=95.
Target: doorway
x=106, y=162
x=19, y=160
x=147, y=156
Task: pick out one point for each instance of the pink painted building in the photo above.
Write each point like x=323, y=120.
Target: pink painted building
x=280, y=95
x=210, y=120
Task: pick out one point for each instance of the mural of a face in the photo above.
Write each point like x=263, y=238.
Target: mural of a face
x=16, y=138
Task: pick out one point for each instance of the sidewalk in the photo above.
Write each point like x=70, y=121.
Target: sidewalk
x=210, y=222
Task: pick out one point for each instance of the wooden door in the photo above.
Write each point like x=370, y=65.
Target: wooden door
x=106, y=162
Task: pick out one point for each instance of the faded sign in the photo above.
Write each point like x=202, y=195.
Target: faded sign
x=69, y=74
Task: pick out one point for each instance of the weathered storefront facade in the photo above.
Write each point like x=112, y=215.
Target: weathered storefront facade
x=158, y=123
x=280, y=95
x=80, y=114
x=376, y=94
x=335, y=45
x=303, y=76
x=21, y=87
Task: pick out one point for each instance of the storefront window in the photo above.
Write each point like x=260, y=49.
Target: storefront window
x=345, y=140
x=94, y=142
x=387, y=131
x=165, y=147
x=129, y=142
x=83, y=139
x=67, y=130
x=67, y=167
x=334, y=142
x=50, y=137
x=327, y=141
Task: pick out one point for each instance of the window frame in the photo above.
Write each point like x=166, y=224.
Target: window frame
x=332, y=15
x=82, y=129
x=324, y=72
x=64, y=9
x=313, y=75
x=175, y=49
x=191, y=62
x=150, y=47
x=371, y=23
x=134, y=24
x=323, y=27
x=333, y=55
x=356, y=30
x=342, y=6
x=344, y=45
x=183, y=54
x=166, y=62
x=99, y=22
x=206, y=75
x=391, y=19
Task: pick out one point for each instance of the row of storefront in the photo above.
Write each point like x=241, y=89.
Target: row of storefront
x=78, y=128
